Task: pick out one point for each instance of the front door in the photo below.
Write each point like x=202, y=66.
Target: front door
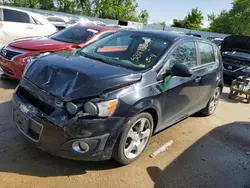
x=179, y=94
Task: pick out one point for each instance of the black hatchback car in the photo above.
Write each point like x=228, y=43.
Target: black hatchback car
x=107, y=99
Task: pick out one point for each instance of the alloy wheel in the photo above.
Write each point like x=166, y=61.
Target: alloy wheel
x=137, y=138
x=214, y=100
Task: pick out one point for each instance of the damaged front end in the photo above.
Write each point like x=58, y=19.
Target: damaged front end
x=70, y=114
x=45, y=120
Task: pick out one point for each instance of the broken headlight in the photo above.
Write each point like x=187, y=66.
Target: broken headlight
x=101, y=109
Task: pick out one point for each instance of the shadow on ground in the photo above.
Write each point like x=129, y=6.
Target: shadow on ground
x=19, y=155
x=7, y=83
x=219, y=159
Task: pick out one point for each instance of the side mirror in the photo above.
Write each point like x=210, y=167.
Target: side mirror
x=181, y=70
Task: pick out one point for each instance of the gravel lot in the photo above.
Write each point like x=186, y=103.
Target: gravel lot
x=207, y=152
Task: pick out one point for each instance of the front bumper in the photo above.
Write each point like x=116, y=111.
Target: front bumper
x=99, y=134
x=11, y=69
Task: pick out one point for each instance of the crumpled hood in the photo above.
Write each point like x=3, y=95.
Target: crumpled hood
x=236, y=43
x=70, y=76
x=39, y=43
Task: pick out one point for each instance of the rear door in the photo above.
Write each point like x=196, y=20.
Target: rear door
x=208, y=72
x=16, y=24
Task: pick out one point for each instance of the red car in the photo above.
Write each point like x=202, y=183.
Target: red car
x=15, y=56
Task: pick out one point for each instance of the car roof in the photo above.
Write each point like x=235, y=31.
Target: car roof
x=17, y=9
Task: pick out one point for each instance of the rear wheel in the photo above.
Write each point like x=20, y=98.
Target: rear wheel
x=134, y=139
x=213, y=102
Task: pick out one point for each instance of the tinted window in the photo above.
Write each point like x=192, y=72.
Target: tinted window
x=186, y=54
x=206, y=53
x=76, y=34
x=15, y=16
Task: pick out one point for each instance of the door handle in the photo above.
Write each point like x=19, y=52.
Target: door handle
x=197, y=79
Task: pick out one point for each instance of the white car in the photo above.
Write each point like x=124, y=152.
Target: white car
x=16, y=23
x=58, y=22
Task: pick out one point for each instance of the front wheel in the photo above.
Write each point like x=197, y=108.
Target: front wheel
x=213, y=102
x=134, y=139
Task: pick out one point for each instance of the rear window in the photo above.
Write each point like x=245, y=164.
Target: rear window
x=15, y=16
x=76, y=34
x=206, y=53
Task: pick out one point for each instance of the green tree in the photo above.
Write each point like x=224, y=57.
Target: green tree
x=236, y=21
x=192, y=21
x=143, y=16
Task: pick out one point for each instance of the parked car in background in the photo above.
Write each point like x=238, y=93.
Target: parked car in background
x=58, y=22
x=236, y=56
x=101, y=101
x=76, y=20
x=217, y=41
x=15, y=56
x=15, y=23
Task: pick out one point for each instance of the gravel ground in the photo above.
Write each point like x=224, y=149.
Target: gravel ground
x=207, y=152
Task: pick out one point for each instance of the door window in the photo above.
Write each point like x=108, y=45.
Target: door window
x=15, y=16
x=206, y=53
x=185, y=54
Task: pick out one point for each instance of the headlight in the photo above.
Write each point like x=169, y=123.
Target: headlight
x=246, y=70
x=102, y=109
x=31, y=59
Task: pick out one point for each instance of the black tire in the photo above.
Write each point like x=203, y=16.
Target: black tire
x=230, y=96
x=206, y=111
x=118, y=151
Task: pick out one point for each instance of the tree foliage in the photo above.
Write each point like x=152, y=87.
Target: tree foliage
x=192, y=21
x=236, y=21
x=111, y=9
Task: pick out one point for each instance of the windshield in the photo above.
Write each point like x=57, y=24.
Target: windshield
x=128, y=49
x=76, y=34
x=237, y=54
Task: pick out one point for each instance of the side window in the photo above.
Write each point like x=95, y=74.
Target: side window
x=15, y=16
x=185, y=54
x=105, y=34
x=206, y=53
